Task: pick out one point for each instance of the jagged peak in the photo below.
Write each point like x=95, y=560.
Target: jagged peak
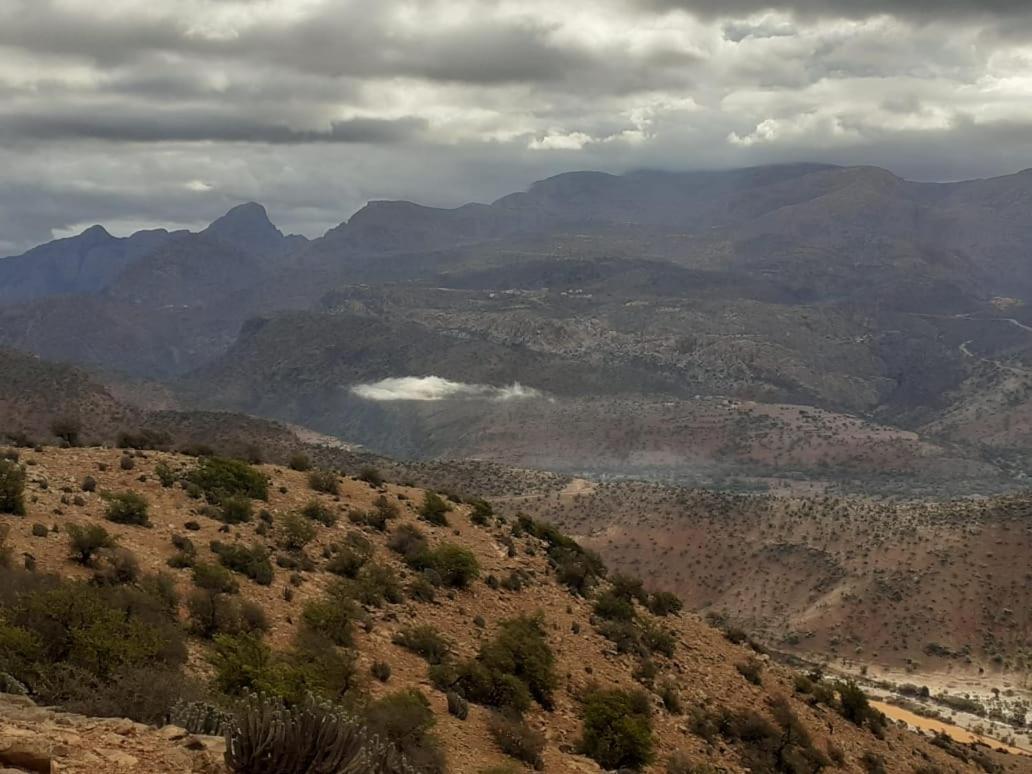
x=247, y=215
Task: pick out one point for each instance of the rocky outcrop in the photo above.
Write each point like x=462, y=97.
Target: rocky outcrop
x=44, y=740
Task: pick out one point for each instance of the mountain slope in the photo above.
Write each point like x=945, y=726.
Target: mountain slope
x=82, y=264
x=712, y=677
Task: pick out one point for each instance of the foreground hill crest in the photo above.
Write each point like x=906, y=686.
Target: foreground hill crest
x=493, y=643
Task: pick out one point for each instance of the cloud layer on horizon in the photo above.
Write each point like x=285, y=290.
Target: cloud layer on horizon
x=168, y=112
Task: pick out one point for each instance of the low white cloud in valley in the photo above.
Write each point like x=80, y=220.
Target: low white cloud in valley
x=434, y=388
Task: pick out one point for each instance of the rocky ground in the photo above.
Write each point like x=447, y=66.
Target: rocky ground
x=47, y=741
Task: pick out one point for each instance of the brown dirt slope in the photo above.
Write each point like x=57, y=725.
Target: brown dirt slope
x=926, y=585
x=703, y=667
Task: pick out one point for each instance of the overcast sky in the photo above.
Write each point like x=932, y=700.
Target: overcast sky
x=136, y=113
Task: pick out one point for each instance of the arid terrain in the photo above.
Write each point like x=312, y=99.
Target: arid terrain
x=516, y=576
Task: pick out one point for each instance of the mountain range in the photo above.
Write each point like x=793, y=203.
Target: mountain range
x=746, y=325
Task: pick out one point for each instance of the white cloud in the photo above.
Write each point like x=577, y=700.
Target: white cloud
x=434, y=388
x=560, y=141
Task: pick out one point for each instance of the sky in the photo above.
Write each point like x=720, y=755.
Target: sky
x=144, y=113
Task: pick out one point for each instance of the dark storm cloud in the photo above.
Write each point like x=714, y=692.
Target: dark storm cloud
x=353, y=39
x=199, y=126
x=150, y=112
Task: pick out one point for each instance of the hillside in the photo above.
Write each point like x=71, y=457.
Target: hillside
x=929, y=591
x=726, y=706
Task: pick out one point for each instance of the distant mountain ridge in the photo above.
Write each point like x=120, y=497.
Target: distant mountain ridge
x=902, y=309
x=92, y=261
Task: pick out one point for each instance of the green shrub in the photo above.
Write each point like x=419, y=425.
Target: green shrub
x=509, y=670
x=300, y=462
x=84, y=542
x=235, y=509
x=410, y=542
x=383, y=511
x=294, y=532
x=350, y=556
x=664, y=603
x=404, y=720
x=165, y=474
x=316, y=511
x=425, y=641
x=434, y=509
x=220, y=477
x=457, y=566
x=116, y=567
x=333, y=617
x=376, y=583
x=751, y=670
x=629, y=587
x=161, y=587
x=89, y=484
x=212, y=577
x=482, y=513
x=625, y=635
x=781, y=745
x=518, y=740
x=617, y=729
x=371, y=476
x=854, y=706
x=873, y=763
x=211, y=613
x=381, y=670
x=421, y=589
x=324, y=481
x=12, y=488
x=242, y=662
x=128, y=508
x=97, y=632
x=315, y=667
x=613, y=607
x=67, y=430
x=40, y=530
x=670, y=697
x=658, y=639
x=251, y=561
x=576, y=568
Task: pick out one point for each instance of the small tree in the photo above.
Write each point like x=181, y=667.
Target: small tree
x=12, y=488
x=212, y=577
x=67, y=429
x=236, y=509
x=434, y=509
x=316, y=511
x=128, y=508
x=665, y=603
x=300, y=461
x=294, y=532
x=617, y=729
x=457, y=566
x=371, y=476
x=86, y=541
